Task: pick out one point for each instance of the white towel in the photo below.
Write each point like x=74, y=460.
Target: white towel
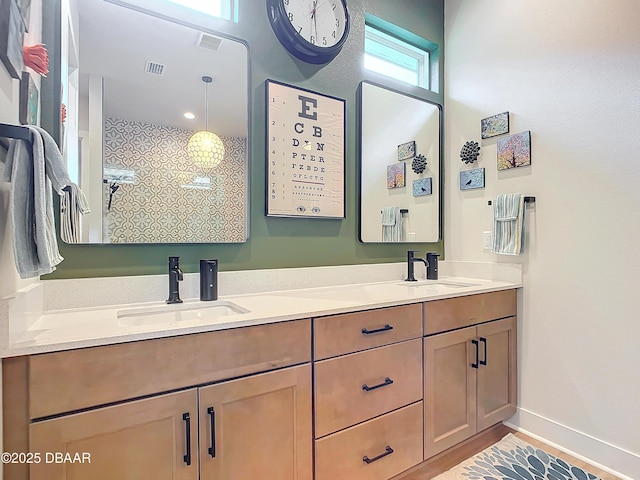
x=508, y=224
x=32, y=173
x=391, y=224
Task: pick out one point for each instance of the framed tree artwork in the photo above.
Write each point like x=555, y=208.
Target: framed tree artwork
x=514, y=151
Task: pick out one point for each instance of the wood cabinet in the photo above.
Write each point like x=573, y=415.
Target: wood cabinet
x=391, y=387
x=257, y=427
x=253, y=427
x=469, y=382
x=263, y=419
x=374, y=450
x=144, y=439
x=368, y=395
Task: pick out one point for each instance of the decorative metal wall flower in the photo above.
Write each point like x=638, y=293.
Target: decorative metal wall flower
x=470, y=152
x=419, y=164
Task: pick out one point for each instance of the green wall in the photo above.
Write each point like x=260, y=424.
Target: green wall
x=281, y=242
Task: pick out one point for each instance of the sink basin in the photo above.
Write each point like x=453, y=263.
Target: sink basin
x=207, y=312
x=436, y=283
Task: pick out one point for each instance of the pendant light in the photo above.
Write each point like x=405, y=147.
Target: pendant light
x=205, y=148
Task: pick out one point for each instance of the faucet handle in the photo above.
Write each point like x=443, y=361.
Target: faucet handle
x=174, y=262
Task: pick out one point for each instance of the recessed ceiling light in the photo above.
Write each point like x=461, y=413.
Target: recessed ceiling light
x=189, y=115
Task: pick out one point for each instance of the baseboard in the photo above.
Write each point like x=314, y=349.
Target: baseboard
x=605, y=456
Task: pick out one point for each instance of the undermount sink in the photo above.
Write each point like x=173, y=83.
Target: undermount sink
x=206, y=312
x=435, y=283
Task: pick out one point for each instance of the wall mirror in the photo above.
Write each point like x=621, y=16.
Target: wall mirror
x=129, y=76
x=400, y=166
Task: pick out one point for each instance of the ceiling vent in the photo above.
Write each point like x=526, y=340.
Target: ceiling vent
x=154, y=68
x=208, y=42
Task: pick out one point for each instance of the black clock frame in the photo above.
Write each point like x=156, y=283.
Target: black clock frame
x=295, y=44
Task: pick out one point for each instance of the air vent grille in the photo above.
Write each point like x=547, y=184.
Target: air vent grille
x=154, y=68
x=209, y=42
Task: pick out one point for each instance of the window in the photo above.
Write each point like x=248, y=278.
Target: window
x=391, y=55
x=226, y=9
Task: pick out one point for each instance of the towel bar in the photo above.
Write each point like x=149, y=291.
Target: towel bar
x=13, y=131
x=526, y=200
x=402, y=210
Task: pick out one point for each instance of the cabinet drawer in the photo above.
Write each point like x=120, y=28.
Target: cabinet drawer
x=354, y=388
x=452, y=313
x=396, y=435
x=351, y=332
x=100, y=375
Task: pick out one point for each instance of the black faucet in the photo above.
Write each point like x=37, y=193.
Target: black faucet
x=410, y=261
x=175, y=276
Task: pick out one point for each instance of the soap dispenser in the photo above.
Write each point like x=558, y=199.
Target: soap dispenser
x=208, y=280
x=432, y=266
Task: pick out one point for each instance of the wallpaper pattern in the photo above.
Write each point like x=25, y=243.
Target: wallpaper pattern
x=162, y=196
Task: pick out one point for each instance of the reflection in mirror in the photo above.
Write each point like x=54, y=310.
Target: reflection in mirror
x=130, y=81
x=399, y=197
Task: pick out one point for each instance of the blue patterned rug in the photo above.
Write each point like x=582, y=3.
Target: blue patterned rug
x=514, y=459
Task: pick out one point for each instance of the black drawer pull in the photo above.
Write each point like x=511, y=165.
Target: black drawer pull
x=475, y=365
x=387, y=381
x=212, y=418
x=386, y=328
x=387, y=451
x=187, y=457
x=484, y=345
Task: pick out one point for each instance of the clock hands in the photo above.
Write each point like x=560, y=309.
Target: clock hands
x=315, y=17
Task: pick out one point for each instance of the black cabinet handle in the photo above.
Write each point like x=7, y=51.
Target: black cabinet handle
x=386, y=328
x=387, y=381
x=187, y=457
x=475, y=365
x=387, y=451
x=484, y=350
x=212, y=419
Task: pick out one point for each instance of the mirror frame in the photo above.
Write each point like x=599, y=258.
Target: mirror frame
x=440, y=195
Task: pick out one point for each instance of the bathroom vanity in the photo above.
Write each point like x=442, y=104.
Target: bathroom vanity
x=363, y=389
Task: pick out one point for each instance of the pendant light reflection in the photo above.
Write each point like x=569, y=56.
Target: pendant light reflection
x=205, y=148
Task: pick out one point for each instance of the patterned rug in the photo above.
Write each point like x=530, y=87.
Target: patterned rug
x=514, y=459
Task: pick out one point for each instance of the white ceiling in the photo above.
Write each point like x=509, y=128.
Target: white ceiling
x=116, y=42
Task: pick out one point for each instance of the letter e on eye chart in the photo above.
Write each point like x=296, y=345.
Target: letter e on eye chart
x=305, y=153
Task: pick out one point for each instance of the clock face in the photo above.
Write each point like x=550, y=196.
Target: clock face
x=322, y=23
x=312, y=30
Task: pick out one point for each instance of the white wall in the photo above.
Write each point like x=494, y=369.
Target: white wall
x=570, y=73
x=9, y=105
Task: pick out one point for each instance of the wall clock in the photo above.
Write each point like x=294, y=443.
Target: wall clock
x=312, y=30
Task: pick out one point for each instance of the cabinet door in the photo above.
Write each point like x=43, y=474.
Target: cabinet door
x=257, y=427
x=449, y=390
x=497, y=373
x=139, y=440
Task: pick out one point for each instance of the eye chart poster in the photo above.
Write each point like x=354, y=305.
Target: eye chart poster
x=305, y=153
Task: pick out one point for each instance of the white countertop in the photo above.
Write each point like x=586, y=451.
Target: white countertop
x=71, y=328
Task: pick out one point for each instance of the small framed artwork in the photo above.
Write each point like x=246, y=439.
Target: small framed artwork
x=29, y=100
x=11, y=38
x=422, y=186
x=495, y=125
x=470, y=179
x=406, y=151
x=396, y=175
x=514, y=151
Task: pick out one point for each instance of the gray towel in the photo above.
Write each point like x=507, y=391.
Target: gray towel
x=32, y=173
x=391, y=224
x=508, y=224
